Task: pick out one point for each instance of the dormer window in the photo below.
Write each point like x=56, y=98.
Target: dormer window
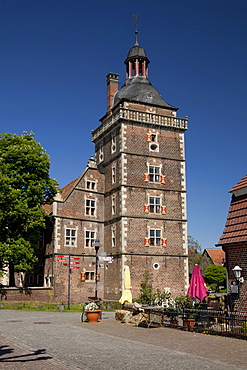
x=90, y=185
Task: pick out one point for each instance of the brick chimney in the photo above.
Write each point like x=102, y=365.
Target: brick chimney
x=112, y=88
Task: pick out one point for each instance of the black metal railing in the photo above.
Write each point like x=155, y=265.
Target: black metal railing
x=222, y=322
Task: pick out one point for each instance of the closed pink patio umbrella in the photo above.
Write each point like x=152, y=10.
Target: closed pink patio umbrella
x=197, y=287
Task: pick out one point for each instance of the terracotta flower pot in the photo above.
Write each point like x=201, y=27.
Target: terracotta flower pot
x=92, y=316
x=188, y=324
x=173, y=323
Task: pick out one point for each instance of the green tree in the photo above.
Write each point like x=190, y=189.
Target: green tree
x=25, y=186
x=194, y=244
x=145, y=296
x=196, y=256
x=149, y=296
x=215, y=275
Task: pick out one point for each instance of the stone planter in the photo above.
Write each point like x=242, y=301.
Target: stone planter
x=93, y=316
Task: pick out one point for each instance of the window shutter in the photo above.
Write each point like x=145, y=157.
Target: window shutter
x=164, y=242
x=146, y=208
x=163, y=210
x=148, y=137
x=162, y=179
x=146, y=176
x=146, y=242
x=83, y=276
x=98, y=277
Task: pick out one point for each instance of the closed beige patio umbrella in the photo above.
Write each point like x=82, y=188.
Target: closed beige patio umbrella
x=127, y=295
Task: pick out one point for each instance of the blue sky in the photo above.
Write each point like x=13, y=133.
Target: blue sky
x=55, y=54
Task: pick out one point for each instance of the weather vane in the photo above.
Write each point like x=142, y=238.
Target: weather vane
x=136, y=24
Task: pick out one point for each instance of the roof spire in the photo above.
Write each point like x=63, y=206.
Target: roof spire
x=136, y=24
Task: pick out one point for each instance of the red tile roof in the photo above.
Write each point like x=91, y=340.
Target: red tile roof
x=240, y=185
x=217, y=255
x=47, y=208
x=67, y=188
x=65, y=191
x=235, y=230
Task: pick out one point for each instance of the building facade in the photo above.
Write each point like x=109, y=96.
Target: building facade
x=234, y=243
x=131, y=196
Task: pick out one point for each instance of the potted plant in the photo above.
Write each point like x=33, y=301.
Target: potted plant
x=92, y=312
x=172, y=313
x=186, y=306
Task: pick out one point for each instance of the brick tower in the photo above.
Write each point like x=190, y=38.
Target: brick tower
x=139, y=146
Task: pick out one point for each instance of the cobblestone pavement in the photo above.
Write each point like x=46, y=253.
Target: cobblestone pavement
x=48, y=340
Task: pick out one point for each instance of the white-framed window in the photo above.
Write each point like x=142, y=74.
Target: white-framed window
x=70, y=237
x=154, y=204
x=113, y=142
x=89, y=238
x=48, y=281
x=154, y=173
x=90, y=185
x=155, y=237
x=156, y=266
x=90, y=207
x=113, y=237
x=89, y=276
x=113, y=204
x=113, y=173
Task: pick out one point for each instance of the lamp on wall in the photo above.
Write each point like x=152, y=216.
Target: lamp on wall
x=237, y=273
x=96, y=246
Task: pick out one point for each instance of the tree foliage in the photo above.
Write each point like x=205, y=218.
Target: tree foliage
x=194, y=244
x=149, y=296
x=25, y=186
x=146, y=289
x=196, y=257
x=216, y=275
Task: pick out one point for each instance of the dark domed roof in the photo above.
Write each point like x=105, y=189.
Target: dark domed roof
x=140, y=89
x=136, y=51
